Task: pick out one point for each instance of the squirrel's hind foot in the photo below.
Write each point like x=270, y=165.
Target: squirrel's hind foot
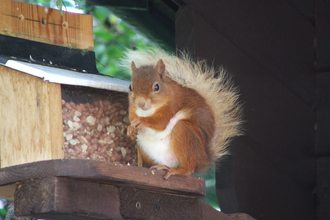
x=172, y=170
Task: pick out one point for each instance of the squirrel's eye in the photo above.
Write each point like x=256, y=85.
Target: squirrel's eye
x=130, y=87
x=156, y=87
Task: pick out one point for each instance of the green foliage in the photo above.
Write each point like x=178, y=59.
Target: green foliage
x=211, y=197
x=111, y=38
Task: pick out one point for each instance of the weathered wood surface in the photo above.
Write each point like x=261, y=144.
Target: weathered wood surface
x=107, y=173
x=322, y=35
x=83, y=189
x=66, y=198
x=323, y=188
x=322, y=146
x=149, y=205
x=46, y=25
x=7, y=191
x=31, y=118
x=240, y=216
x=260, y=45
x=322, y=111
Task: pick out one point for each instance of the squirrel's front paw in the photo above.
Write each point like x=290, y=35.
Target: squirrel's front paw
x=132, y=129
x=136, y=123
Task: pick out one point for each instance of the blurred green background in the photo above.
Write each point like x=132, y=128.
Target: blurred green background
x=111, y=38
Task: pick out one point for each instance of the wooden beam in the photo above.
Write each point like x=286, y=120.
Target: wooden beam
x=272, y=67
x=322, y=35
x=266, y=33
x=322, y=109
x=141, y=204
x=107, y=173
x=322, y=188
x=240, y=216
x=64, y=198
x=83, y=189
x=46, y=25
x=7, y=191
x=184, y=29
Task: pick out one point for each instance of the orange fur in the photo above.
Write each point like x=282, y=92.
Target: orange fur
x=191, y=137
x=183, y=112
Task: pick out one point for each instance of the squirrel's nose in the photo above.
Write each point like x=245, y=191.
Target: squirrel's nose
x=143, y=106
x=143, y=103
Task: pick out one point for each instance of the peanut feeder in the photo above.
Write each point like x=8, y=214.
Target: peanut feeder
x=63, y=114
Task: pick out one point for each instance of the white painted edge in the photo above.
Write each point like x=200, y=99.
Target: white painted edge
x=68, y=77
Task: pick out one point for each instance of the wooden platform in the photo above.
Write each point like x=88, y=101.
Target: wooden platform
x=84, y=189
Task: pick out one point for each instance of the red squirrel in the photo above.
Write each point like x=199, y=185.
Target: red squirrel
x=177, y=114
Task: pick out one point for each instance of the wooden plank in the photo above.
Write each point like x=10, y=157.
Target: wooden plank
x=273, y=165
x=264, y=190
x=63, y=198
x=31, y=118
x=7, y=191
x=305, y=8
x=80, y=197
x=141, y=204
x=322, y=35
x=109, y=173
x=323, y=188
x=322, y=109
x=240, y=216
x=279, y=121
x=46, y=25
x=184, y=29
x=267, y=32
x=53, y=102
x=66, y=198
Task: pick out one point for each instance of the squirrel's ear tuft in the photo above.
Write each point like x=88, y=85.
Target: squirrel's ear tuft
x=160, y=68
x=133, y=67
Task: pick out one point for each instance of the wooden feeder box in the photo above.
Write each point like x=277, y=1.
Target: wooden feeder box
x=70, y=114
x=50, y=110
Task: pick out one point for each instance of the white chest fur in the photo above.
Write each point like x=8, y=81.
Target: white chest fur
x=156, y=144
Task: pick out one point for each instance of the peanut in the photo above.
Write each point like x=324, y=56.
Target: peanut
x=97, y=131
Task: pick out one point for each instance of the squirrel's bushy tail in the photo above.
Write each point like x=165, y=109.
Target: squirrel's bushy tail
x=213, y=84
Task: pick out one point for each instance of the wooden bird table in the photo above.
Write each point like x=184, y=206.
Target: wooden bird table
x=43, y=186
x=86, y=189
